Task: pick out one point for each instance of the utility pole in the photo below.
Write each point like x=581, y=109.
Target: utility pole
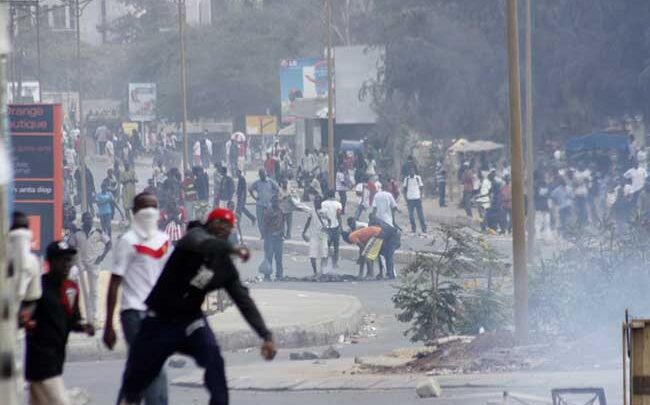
x=330, y=96
x=181, y=34
x=530, y=143
x=38, y=52
x=82, y=134
x=518, y=221
x=9, y=389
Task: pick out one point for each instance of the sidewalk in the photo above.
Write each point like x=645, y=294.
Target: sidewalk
x=296, y=318
x=340, y=374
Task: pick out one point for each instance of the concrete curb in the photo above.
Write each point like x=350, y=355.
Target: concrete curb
x=323, y=332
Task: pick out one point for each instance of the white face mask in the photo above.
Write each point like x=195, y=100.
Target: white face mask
x=146, y=221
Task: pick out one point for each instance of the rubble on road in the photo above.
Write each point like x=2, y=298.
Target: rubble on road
x=305, y=355
x=488, y=352
x=428, y=388
x=330, y=353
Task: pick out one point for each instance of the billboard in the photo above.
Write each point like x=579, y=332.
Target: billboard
x=142, y=101
x=38, y=168
x=304, y=78
x=261, y=125
x=356, y=66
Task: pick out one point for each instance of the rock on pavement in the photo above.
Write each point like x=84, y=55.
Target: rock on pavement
x=303, y=356
x=330, y=353
x=428, y=388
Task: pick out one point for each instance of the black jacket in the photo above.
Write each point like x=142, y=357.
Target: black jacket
x=199, y=265
x=57, y=313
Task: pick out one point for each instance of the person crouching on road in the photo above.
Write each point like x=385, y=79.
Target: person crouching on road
x=200, y=264
x=56, y=315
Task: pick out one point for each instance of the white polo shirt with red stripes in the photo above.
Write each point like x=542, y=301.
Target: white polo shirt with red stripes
x=139, y=262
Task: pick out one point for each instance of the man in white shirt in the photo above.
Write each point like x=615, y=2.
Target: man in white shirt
x=413, y=186
x=92, y=246
x=139, y=258
x=384, y=207
x=315, y=233
x=638, y=176
x=332, y=210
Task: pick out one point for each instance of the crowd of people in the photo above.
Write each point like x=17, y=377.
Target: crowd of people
x=569, y=191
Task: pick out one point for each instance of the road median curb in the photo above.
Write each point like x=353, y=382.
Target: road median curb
x=314, y=331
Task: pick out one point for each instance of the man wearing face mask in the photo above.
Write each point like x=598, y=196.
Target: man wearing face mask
x=93, y=245
x=175, y=322
x=139, y=257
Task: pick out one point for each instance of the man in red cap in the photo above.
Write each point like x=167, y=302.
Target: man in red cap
x=200, y=264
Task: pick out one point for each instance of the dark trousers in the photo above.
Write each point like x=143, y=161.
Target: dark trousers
x=273, y=248
x=343, y=196
x=157, y=340
x=156, y=392
x=467, y=202
x=105, y=221
x=416, y=205
x=581, y=210
x=442, y=194
x=241, y=208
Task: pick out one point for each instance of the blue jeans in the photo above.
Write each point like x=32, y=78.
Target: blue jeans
x=160, y=338
x=416, y=205
x=156, y=392
x=273, y=248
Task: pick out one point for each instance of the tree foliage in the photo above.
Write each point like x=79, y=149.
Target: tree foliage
x=434, y=296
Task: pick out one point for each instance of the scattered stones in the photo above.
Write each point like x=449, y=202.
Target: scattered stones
x=176, y=362
x=303, y=356
x=330, y=353
x=78, y=396
x=428, y=388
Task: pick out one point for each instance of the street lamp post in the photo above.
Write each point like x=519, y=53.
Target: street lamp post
x=518, y=221
x=330, y=95
x=530, y=162
x=181, y=34
x=82, y=135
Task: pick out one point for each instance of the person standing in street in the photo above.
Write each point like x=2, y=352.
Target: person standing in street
x=93, y=245
x=413, y=187
x=106, y=206
x=226, y=188
x=342, y=185
x=90, y=188
x=23, y=262
x=190, y=196
x=242, y=191
x=315, y=233
x=333, y=210
x=274, y=238
x=56, y=315
x=262, y=191
x=138, y=260
x=384, y=207
x=128, y=179
x=441, y=179
x=200, y=264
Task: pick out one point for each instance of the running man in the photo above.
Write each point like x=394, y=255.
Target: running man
x=200, y=264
